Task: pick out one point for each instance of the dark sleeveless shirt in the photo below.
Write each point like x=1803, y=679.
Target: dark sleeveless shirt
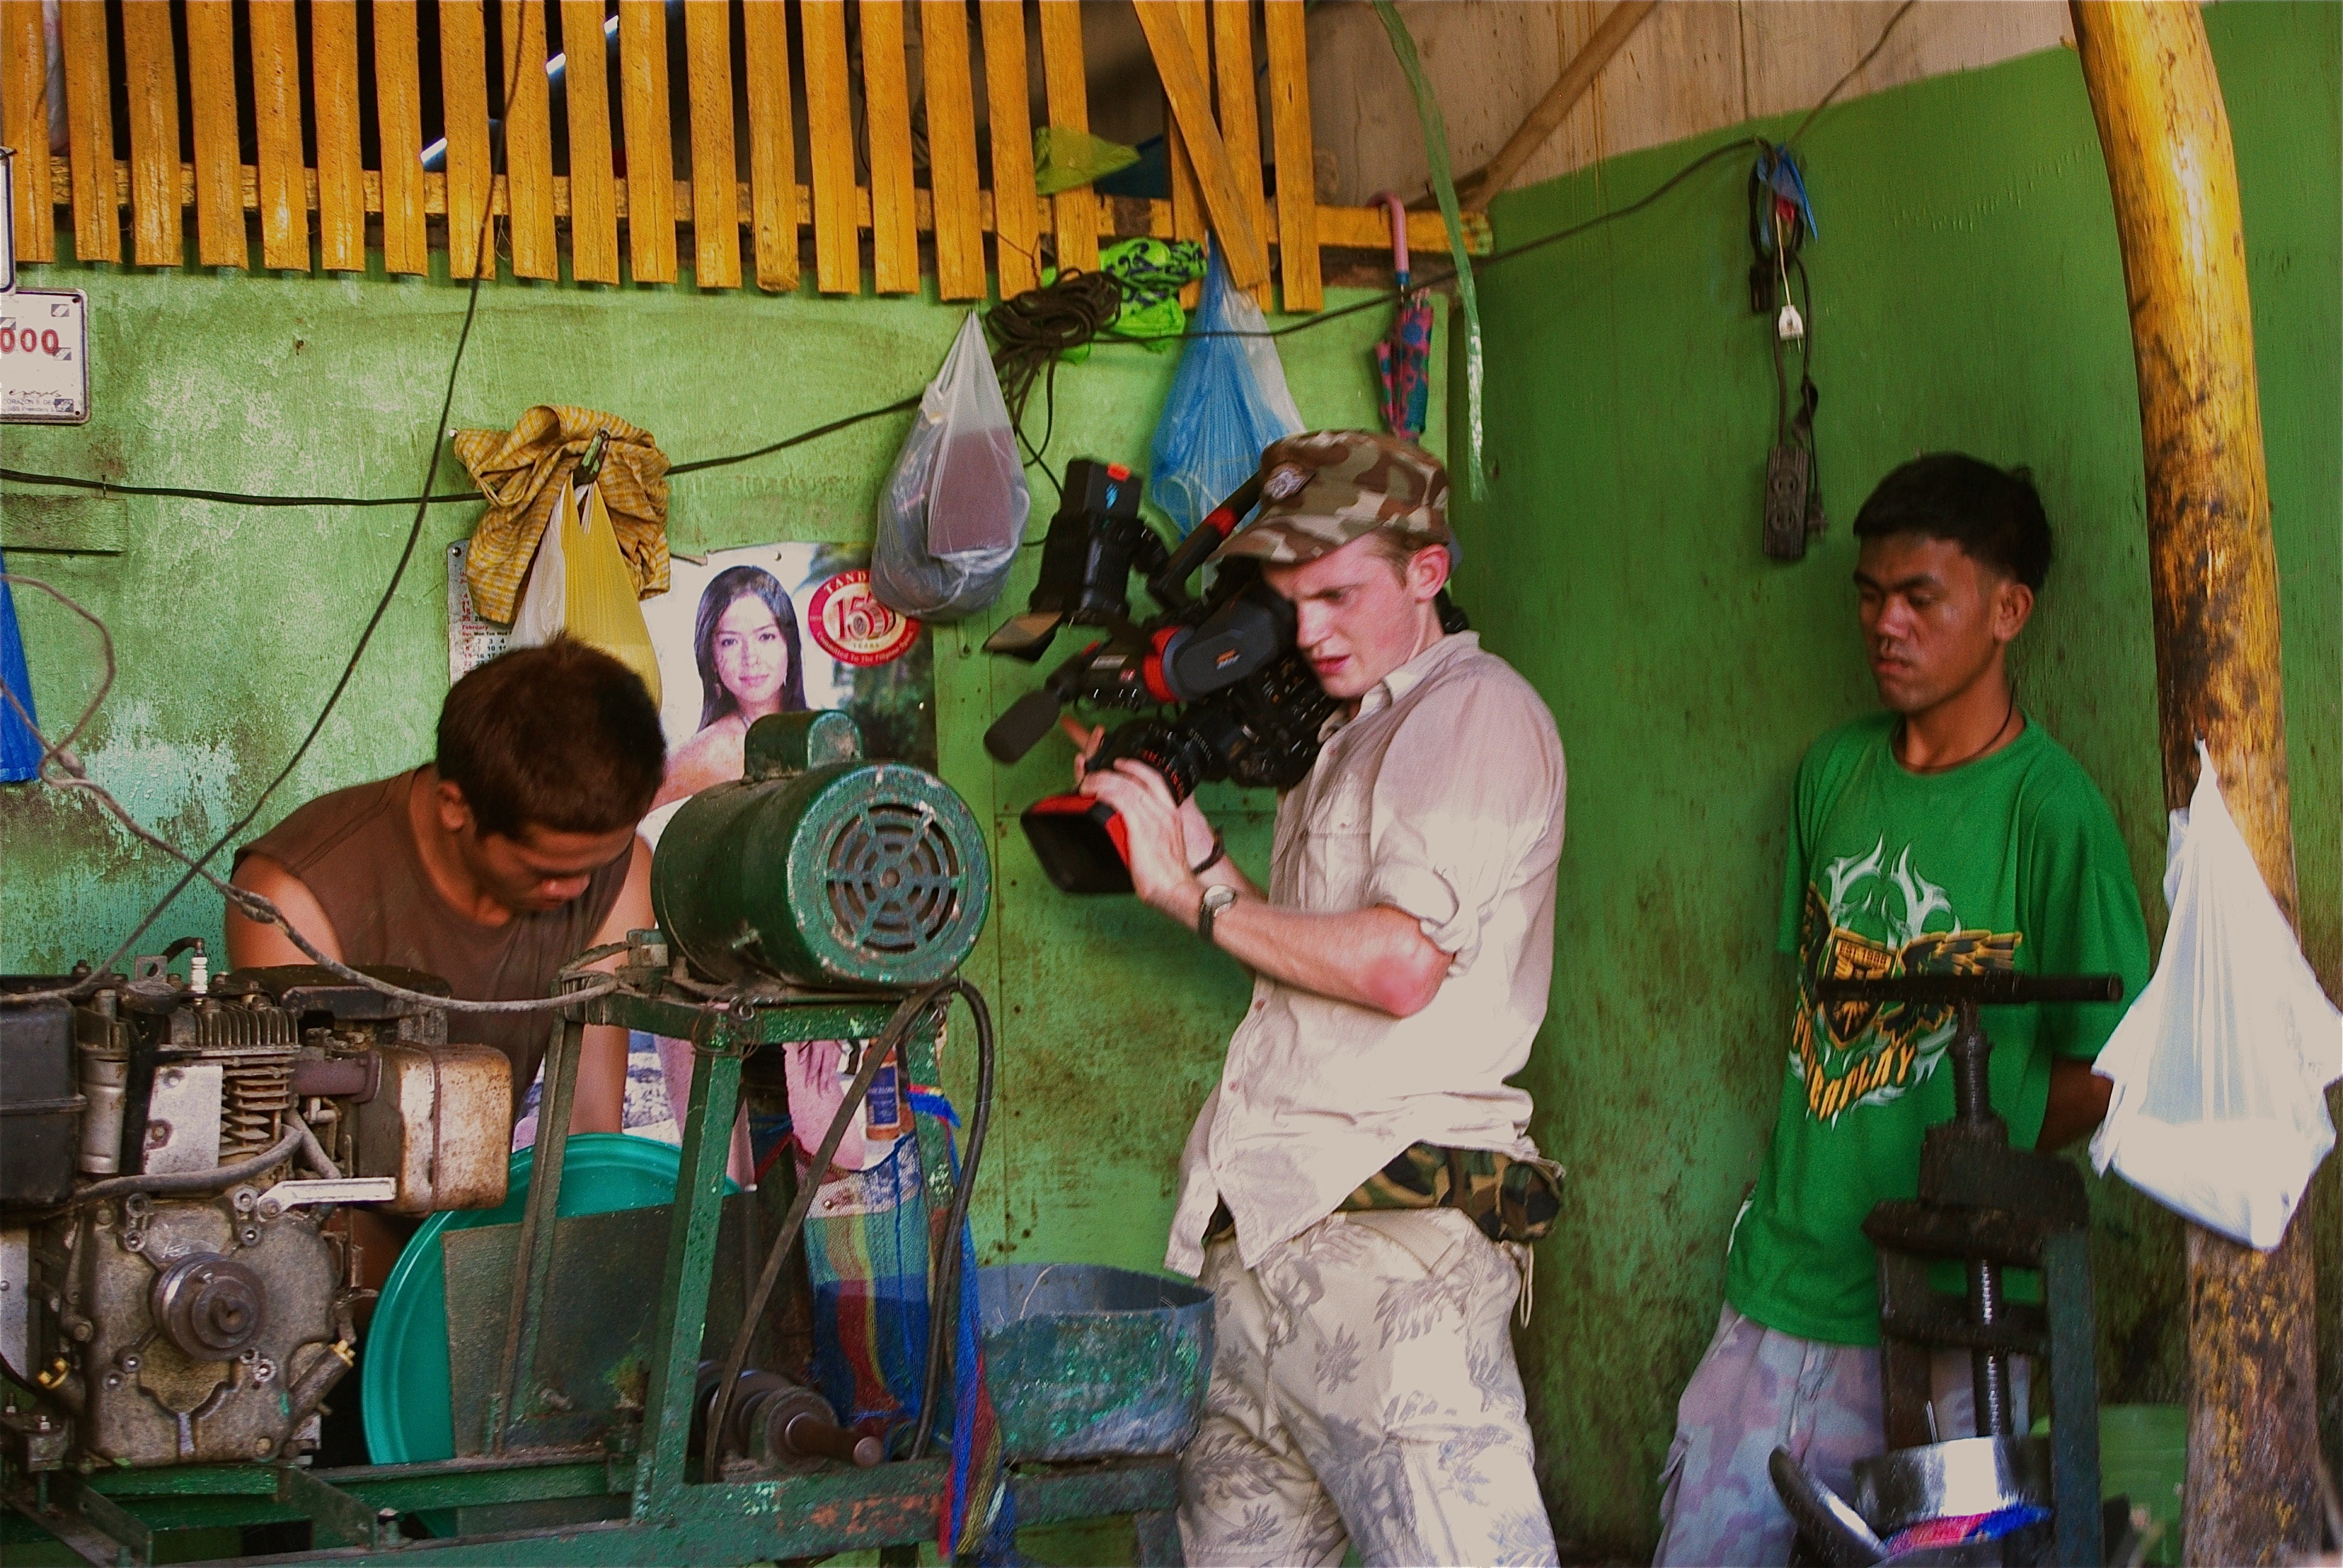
x=355, y=850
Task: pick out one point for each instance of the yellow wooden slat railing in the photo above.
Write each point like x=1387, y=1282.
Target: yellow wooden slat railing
x=772, y=146
x=651, y=153
x=951, y=149
x=529, y=141
x=1066, y=81
x=1016, y=211
x=151, y=75
x=1188, y=220
x=593, y=184
x=334, y=104
x=277, y=116
x=219, y=167
x=25, y=126
x=1240, y=112
x=830, y=131
x=887, y=114
x=715, y=216
x=89, y=130
x=464, y=89
x=1295, y=155
x=1204, y=51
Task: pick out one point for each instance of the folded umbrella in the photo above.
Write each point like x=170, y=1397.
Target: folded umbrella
x=1402, y=359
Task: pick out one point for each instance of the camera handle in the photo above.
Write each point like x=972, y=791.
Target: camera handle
x=1168, y=585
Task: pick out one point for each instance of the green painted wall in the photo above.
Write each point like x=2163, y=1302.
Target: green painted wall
x=1968, y=294
x=229, y=622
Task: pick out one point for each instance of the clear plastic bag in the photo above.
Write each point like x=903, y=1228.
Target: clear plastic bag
x=953, y=510
x=2220, y=1066
x=1228, y=401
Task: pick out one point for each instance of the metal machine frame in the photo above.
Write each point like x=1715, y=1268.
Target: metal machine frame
x=523, y=1502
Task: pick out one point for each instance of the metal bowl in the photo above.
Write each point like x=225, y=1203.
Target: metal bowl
x=1943, y=1479
x=1086, y=1361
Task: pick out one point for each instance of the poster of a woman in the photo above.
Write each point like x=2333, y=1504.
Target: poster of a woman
x=740, y=637
x=750, y=662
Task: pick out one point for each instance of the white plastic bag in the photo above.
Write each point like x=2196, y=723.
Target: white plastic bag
x=953, y=511
x=2219, y=1068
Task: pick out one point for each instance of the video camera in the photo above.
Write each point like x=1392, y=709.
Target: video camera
x=1250, y=709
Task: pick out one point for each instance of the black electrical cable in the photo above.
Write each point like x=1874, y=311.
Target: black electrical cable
x=1033, y=330
x=944, y=1303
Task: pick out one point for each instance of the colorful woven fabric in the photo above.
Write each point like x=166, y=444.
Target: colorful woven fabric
x=517, y=470
x=867, y=1246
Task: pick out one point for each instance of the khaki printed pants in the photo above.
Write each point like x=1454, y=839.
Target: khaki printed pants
x=1363, y=1392
x=1758, y=1388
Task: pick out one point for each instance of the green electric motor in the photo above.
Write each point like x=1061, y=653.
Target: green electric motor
x=821, y=869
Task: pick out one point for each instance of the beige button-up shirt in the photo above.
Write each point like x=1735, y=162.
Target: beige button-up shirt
x=1442, y=797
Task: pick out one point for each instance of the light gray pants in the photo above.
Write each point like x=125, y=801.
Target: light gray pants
x=1363, y=1392
x=1757, y=1389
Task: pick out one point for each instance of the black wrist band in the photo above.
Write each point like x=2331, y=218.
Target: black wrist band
x=1220, y=852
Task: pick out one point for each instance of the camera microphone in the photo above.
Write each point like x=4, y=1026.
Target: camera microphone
x=1020, y=729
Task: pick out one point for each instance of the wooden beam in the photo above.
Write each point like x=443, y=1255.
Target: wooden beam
x=1066, y=80
x=1296, y=155
x=150, y=64
x=218, y=170
x=830, y=131
x=1016, y=210
x=772, y=146
x=277, y=120
x=1191, y=108
x=334, y=109
x=715, y=163
x=529, y=141
x=593, y=183
x=1239, y=111
x=951, y=149
x=2253, y=1494
x=649, y=192
x=89, y=130
x=464, y=88
x=25, y=126
x=887, y=114
x=1475, y=188
x=1189, y=219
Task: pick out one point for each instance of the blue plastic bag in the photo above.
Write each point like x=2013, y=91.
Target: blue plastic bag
x=20, y=749
x=1228, y=401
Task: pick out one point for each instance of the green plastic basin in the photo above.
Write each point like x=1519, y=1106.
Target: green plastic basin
x=404, y=1381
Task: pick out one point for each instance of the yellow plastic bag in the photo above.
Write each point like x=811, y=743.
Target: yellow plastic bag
x=580, y=584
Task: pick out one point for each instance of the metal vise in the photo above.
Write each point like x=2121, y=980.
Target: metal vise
x=1989, y=1207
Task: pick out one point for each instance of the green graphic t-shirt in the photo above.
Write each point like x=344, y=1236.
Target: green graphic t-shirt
x=2012, y=861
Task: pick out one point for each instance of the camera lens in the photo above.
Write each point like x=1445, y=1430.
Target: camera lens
x=1172, y=750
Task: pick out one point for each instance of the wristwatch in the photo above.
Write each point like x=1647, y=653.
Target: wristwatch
x=1217, y=897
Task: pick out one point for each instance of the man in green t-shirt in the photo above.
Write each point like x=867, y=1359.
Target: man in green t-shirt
x=1948, y=835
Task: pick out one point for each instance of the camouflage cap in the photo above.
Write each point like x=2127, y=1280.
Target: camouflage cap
x=1322, y=489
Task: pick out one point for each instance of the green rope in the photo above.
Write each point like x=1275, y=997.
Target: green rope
x=1443, y=185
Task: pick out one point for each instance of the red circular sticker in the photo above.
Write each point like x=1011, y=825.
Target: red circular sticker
x=852, y=627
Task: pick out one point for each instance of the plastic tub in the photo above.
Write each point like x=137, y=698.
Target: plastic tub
x=1090, y=1363
x=408, y=1404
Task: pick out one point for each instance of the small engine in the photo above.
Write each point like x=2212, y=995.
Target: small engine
x=171, y=1155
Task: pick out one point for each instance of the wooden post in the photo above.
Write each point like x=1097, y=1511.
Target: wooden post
x=2253, y=1441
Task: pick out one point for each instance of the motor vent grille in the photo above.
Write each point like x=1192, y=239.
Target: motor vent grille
x=896, y=879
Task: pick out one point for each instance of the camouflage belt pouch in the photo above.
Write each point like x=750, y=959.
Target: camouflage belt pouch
x=1510, y=1200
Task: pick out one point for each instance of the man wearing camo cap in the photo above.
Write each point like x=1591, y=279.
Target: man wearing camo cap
x=1359, y=1191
